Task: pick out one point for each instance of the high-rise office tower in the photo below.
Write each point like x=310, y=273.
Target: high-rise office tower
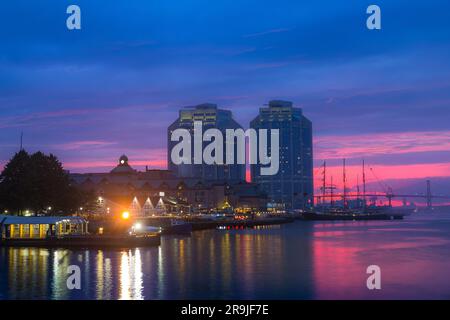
x=292, y=186
x=211, y=117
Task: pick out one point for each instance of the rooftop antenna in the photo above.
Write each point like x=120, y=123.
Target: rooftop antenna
x=21, y=141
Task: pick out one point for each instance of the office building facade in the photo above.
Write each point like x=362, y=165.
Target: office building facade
x=210, y=117
x=292, y=186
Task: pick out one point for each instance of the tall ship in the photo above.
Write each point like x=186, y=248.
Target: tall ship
x=357, y=209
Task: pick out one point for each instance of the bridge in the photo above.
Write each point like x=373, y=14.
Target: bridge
x=389, y=194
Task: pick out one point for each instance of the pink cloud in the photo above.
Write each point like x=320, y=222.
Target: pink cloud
x=155, y=159
x=358, y=146
x=383, y=172
x=111, y=164
x=75, y=145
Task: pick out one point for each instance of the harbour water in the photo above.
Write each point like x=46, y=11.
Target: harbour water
x=301, y=260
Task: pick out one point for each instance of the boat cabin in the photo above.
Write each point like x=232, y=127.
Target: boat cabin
x=16, y=227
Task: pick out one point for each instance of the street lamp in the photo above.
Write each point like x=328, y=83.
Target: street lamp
x=125, y=215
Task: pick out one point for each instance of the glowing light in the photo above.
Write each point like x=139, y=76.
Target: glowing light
x=138, y=226
x=125, y=215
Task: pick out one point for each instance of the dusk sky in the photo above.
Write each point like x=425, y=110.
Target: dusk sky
x=113, y=87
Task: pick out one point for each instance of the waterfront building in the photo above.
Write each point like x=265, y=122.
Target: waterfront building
x=123, y=167
x=15, y=227
x=211, y=117
x=292, y=186
x=144, y=193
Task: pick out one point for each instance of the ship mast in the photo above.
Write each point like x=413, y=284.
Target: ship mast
x=357, y=189
x=331, y=190
x=345, y=187
x=324, y=182
x=364, y=184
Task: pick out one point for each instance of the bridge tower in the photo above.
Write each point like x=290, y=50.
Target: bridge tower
x=429, y=204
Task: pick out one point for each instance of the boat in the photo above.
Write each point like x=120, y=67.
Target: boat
x=349, y=216
x=404, y=210
x=360, y=210
x=138, y=229
x=177, y=227
x=368, y=213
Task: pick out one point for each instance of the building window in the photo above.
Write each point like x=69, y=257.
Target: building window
x=35, y=231
x=25, y=231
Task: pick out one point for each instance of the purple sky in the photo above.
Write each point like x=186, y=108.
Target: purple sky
x=89, y=96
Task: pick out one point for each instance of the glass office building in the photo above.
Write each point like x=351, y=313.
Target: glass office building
x=292, y=186
x=211, y=117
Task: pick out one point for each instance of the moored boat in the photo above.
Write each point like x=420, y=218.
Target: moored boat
x=177, y=227
x=315, y=216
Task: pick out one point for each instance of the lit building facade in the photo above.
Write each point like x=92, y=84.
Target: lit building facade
x=148, y=192
x=292, y=186
x=16, y=227
x=211, y=117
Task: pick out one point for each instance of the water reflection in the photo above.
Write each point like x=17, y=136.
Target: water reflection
x=131, y=276
x=36, y=273
x=294, y=261
x=125, y=293
x=413, y=256
x=33, y=277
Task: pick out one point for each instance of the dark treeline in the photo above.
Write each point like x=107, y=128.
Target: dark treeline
x=38, y=183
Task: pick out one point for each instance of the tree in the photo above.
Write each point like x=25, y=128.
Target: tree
x=38, y=183
x=14, y=185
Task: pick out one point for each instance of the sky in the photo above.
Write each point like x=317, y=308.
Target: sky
x=113, y=87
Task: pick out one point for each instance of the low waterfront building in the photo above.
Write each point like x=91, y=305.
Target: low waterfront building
x=16, y=227
x=149, y=192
